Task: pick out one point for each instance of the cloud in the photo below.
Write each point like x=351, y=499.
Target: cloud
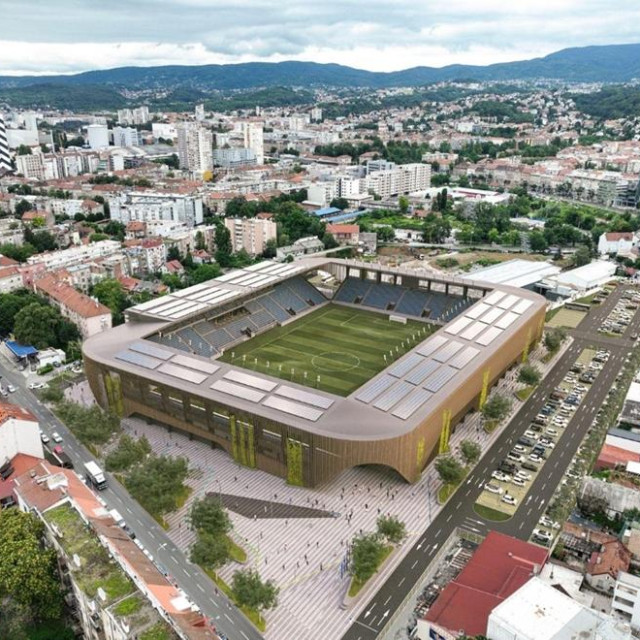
x=74, y=35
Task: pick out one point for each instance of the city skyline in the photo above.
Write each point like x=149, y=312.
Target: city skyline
x=71, y=37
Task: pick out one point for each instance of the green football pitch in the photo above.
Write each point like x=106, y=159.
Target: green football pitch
x=335, y=349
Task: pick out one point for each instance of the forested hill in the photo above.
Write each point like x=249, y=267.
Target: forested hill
x=612, y=63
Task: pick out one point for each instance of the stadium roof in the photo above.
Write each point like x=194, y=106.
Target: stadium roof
x=388, y=405
x=20, y=350
x=516, y=273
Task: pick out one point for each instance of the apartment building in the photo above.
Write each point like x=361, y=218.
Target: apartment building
x=154, y=208
x=5, y=155
x=145, y=256
x=87, y=314
x=254, y=139
x=139, y=115
x=75, y=255
x=125, y=137
x=251, y=234
x=31, y=166
x=399, y=180
x=626, y=598
x=195, y=148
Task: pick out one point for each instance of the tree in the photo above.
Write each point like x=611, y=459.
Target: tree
x=24, y=150
x=36, y=325
x=329, y=241
x=366, y=552
x=553, y=338
x=27, y=568
x=110, y=293
x=209, y=516
x=209, y=551
x=224, y=248
x=97, y=237
x=173, y=253
x=40, y=240
x=271, y=249
x=449, y=470
x=496, y=407
x=204, y=272
x=339, y=203
x=403, y=204
x=201, y=245
x=91, y=425
x=127, y=453
x=391, y=528
x=250, y=591
x=470, y=451
x=529, y=375
x=582, y=256
x=385, y=233
x=22, y=207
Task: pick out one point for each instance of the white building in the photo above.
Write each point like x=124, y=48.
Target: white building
x=620, y=243
x=538, y=611
x=5, y=156
x=254, y=139
x=199, y=112
x=626, y=598
x=582, y=278
x=139, y=115
x=322, y=193
x=156, y=207
x=31, y=166
x=399, y=180
x=75, y=255
x=125, y=137
x=98, y=136
x=251, y=234
x=19, y=433
x=195, y=148
x=316, y=114
x=234, y=157
x=515, y=273
x=164, y=130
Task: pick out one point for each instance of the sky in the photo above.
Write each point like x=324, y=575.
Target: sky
x=69, y=36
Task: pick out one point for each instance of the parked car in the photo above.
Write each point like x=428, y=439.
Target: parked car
x=493, y=488
x=44, y=437
x=516, y=457
x=542, y=534
x=530, y=466
x=57, y=438
x=10, y=388
x=534, y=457
x=499, y=475
x=509, y=499
x=519, y=482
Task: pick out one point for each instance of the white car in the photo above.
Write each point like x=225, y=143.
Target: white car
x=516, y=457
x=531, y=434
x=534, y=458
x=493, y=488
x=519, y=448
x=551, y=432
x=57, y=438
x=44, y=437
x=542, y=535
x=523, y=475
x=519, y=482
x=498, y=475
x=10, y=388
x=509, y=500
x=549, y=523
x=37, y=385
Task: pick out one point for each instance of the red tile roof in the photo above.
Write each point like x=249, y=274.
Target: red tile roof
x=68, y=297
x=343, y=228
x=498, y=568
x=610, y=456
x=8, y=411
x=619, y=235
x=613, y=557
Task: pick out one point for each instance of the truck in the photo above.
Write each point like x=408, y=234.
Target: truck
x=95, y=475
x=56, y=455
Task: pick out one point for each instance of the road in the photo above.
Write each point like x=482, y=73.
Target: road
x=189, y=577
x=459, y=512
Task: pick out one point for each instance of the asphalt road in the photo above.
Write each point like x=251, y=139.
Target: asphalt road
x=189, y=577
x=458, y=511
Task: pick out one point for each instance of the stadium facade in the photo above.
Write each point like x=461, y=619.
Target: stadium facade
x=163, y=364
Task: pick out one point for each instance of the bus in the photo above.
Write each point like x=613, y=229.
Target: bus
x=95, y=475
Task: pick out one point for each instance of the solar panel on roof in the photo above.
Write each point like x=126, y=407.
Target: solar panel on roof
x=492, y=315
x=191, y=292
x=169, y=309
x=471, y=332
x=150, y=350
x=375, y=388
x=507, y=319
x=456, y=327
x=440, y=378
x=250, y=381
x=400, y=369
x=427, y=348
x=137, y=358
x=494, y=297
x=187, y=311
x=228, y=277
x=183, y=374
x=489, y=336
x=477, y=310
x=192, y=363
x=150, y=304
x=189, y=304
x=392, y=396
x=260, y=266
x=448, y=351
x=411, y=404
x=509, y=301
x=304, y=396
x=168, y=303
x=294, y=408
x=238, y=391
x=522, y=306
x=203, y=296
x=463, y=358
x=422, y=372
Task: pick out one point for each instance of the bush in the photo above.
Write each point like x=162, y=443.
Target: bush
x=496, y=408
x=449, y=470
x=553, y=338
x=367, y=550
x=391, y=528
x=470, y=451
x=529, y=375
x=46, y=369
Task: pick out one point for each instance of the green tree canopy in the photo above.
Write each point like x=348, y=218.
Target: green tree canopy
x=209, y=551
x=529, y=374
x=36, y=325
x=449, y=470
x=128, y=452
x=224, y=248
x=470, y=451
x=553, y=338
x=391, y=528
x=209, y=516
x=366, y=552
x=497, y=407
x=110, y=293
x=249, y=590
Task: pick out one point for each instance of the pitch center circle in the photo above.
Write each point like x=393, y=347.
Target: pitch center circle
x=331, y=361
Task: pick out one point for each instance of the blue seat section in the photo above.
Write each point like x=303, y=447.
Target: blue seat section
x=380, y=296
x=413, y=302
x=435, y=305
x=352, y=288
x=207, y=338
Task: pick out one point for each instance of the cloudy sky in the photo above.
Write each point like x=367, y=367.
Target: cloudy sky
x=66, y=36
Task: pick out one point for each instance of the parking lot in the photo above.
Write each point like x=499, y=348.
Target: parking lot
x=620, y=317
x=511, y=480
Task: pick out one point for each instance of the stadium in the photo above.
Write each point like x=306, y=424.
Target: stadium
x=306, y=369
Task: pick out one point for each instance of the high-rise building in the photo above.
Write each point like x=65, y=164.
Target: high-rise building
x=154, y=208
x=316, y=114
x=199, y=112
x=251, y=234
x=125, y=137
x=254, y=140
x=98, y=136
x=195, y=148
x=5, y=157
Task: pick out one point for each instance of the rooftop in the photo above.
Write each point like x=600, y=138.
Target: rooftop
x=517, y=273
x=8, y=411
x=498, y=568
x=67, y=296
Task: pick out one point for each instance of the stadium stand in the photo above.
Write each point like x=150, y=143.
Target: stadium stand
x=351, y=289
x=413, y=302
x=380, y=296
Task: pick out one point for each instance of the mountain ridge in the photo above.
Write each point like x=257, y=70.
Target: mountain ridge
x=607, y=63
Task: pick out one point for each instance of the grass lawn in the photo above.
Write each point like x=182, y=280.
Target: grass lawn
x=490, y=425
x=445, y=492
x=523, y=394
x=335, y=349
x=237, y=553
x=564, y=317
x=356, y=585
x=490, y=514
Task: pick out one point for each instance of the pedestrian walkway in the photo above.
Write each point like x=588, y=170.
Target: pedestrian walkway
x=301, y=554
